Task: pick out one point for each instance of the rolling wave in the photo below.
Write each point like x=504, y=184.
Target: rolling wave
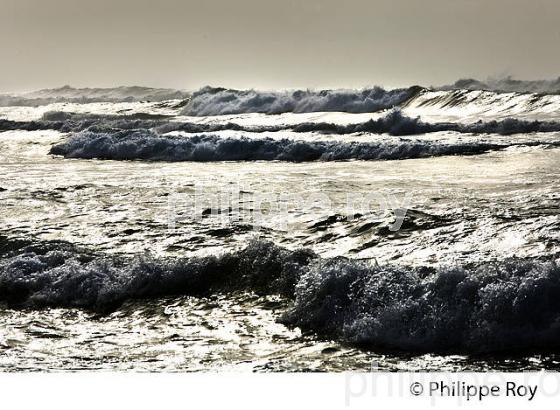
x=147, y=145
x=497, y=306
x=393, y=123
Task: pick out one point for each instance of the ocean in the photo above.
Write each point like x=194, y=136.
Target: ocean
x=241, y=230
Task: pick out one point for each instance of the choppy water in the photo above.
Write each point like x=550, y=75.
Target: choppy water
x=73, y=230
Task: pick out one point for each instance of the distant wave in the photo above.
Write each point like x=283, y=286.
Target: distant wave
x=220, y=101
x=147, y=145
x=507, y=84
x=497, y=306
x=91, y=95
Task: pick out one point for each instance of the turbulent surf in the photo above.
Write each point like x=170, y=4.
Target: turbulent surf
x=281, y=230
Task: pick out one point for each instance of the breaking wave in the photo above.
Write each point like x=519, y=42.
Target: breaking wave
x=147, y=145
x=220, y=101
x=496, y=306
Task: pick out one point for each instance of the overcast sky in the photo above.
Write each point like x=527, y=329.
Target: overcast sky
x=274, y=43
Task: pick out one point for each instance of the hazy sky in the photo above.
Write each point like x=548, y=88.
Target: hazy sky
x=274, y=43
